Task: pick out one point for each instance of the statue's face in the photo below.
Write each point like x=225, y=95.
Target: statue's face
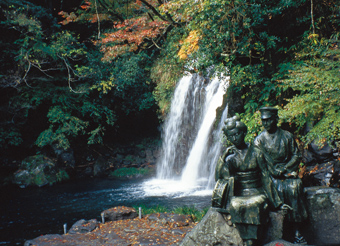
x=236, y=136
x=270, y=123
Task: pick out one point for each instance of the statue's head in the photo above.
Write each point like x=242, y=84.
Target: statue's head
x=235, y=131
x=269, y=118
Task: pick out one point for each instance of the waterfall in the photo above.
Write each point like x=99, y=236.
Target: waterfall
x=191, y=141
x=197, y=159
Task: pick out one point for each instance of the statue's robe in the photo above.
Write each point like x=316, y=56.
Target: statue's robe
x=253, y=189
x=282, y=154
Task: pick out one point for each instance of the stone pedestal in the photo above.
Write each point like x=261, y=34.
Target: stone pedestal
x=214, y=229
x=323, y=225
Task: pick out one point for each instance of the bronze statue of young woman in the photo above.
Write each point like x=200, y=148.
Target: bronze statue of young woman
x=252, y=190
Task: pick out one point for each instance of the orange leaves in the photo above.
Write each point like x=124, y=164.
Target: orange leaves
x=68, y=17
x=190, y=45
x=130, y=36
x=139, y=2
x=86, y=5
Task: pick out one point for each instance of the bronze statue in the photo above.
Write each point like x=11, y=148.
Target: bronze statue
x=244, y=187
x=283, y=158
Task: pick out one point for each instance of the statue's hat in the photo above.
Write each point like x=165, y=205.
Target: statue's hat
x=268, y=112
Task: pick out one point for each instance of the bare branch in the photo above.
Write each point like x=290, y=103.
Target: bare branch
x=153, y=10
x=69, y=69
x=98, y=20
x=312, y=15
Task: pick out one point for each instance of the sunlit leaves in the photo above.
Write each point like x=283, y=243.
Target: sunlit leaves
x=315, y=79
x=190, y=45
x=129, y=36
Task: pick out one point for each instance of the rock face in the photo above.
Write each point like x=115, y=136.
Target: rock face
x=214, y=229
x=83, y=226
x=100, y=167
x=323, y=227
x=119, y=213
x=149, y=230
x=36, y=170
x=275, y=226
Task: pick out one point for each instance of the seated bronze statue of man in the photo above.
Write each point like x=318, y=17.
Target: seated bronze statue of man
x=244, y=187
x=282, y=160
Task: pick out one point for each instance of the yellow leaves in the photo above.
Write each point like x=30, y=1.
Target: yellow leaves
x=314, y=38
x=104, y=86
x=190, y=44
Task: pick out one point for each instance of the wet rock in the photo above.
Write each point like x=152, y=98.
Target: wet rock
x=65, y=157
x=100, y=166
x=213, y=230
x=318, y=154
x=119, y=213
x=22, y=178
x=325, y=174
x=88, y=171
x=156, y=153
x=37, y=170
x=83, y=226
x=149, y=156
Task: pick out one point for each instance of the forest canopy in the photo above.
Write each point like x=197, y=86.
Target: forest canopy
x=73, y=72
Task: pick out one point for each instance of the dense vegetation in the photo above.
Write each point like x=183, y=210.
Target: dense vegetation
x=82, y=72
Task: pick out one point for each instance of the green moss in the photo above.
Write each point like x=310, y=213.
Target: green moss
x=194, y=212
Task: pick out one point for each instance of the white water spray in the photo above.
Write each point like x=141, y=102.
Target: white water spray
x=191, y=146
x=213, y=99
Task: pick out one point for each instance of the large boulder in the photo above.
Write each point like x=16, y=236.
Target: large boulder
x=37, y=170
x=83, y=226
x=323, y=205
x=65, y=157
x=318, y=154
x=119, y=213
x=214, y=229
x=100, y=167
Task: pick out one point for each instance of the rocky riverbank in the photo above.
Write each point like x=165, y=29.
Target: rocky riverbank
x=57, y=165
x=125, y=229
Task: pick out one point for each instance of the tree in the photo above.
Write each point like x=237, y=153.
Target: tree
x=49, y=71
x=314, y=78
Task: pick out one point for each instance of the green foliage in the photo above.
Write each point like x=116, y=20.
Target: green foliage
x=275, y=53
x=9, y=137
x=314, y=78
x=195, y=213
x=62, y=175
x=167, y=70
x=292, y=67
x=132, y=85
x=151, y=210
x=130, y=172
x=52, y=69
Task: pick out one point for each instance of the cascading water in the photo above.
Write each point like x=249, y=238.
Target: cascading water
x=190, y=145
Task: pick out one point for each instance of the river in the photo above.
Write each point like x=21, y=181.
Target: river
x=31, y=212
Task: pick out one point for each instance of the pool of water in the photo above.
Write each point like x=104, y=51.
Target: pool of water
x=29, y=213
